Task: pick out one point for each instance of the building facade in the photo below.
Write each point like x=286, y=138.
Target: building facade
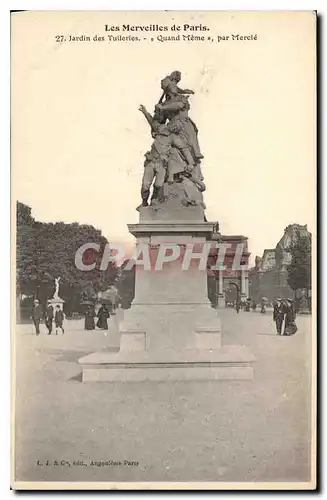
x=268, y=278
x=232, y=282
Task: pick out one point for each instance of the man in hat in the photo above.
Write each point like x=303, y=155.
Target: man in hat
x=36, y=316
x=49, y=315
x=278, y=315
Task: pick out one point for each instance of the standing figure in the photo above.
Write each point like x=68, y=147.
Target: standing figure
x=89, y=323
x=290, y=326
x=176, y=107
x=238, y=305
x=103, y=316
x=59, y=320
x=36, y=316
x=254, y=305
x=247, y=305
x=49, y=317
x=279, y=315
x=156, y=159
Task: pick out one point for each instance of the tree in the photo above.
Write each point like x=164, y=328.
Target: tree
x=299, y=270
x=46, y=251
x=24, y=215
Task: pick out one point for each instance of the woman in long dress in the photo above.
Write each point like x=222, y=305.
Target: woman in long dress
x=103, y=316
x=290, y=325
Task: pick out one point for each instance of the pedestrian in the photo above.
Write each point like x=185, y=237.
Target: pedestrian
x=247, y=305
x=89, y=318
x=290, y=325
x=254, y=305
x=59, y=320
x=279, y=315
x=103, y=315
x=263, y=307
x=49, y=317
x=36, y=316
x=238, y=305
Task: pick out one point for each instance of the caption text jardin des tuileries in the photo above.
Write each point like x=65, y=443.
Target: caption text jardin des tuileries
x=155, y=33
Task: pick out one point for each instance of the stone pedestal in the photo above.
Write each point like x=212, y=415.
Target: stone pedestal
x=221, y=301
x=171, y=332
x=57, y=302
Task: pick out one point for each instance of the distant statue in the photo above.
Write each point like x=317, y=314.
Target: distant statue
x=258, y=262
x=56, y=293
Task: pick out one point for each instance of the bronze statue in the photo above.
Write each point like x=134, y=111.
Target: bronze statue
x=175, y=154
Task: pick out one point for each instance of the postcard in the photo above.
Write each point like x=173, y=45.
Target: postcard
x=163, y=250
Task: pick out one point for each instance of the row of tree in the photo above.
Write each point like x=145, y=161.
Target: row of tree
x=46, y=251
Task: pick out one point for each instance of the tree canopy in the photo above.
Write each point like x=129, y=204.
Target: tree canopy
x=47, y=250
x=299, y=270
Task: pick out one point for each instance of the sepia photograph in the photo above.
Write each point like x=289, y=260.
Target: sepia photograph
x=163, y=199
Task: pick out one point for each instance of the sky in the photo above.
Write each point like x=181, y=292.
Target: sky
x=78, y=138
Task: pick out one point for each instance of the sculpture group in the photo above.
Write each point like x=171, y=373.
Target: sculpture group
x=171, y=332
x=175, y=156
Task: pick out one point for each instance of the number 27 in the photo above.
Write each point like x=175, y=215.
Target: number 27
x=59, y=38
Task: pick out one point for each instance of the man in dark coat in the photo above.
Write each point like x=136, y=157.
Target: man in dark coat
x=49, y=317
x=59, y=320
x=89, y=318
x=36, y=316
x=278, y=315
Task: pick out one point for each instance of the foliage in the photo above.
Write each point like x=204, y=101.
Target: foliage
x=46, y=251
x=24, y=215
x=299, y=270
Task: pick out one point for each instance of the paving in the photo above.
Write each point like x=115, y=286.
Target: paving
x=257, y=430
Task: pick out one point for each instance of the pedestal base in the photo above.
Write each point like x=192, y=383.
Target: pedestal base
x=170, y=327
x=171, y=332
x=57, y=302
x=226, y=363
